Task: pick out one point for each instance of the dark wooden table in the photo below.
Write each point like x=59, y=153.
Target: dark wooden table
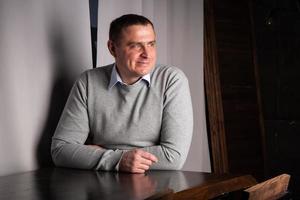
x=71, y=184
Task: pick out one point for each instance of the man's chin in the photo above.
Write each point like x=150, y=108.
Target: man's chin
x=143, y=73
x=143, y=70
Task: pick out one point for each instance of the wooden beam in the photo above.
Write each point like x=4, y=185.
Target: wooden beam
x=271, y=189
x=213, y=93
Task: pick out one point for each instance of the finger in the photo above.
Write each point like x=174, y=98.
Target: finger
x=145, y=161
x=138, y=171
x=149, y=156
x=143, y=167
x=140, y=162
x=145, y=157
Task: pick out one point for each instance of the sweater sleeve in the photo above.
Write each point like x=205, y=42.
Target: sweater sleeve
x=177, y=125
x=68, y=148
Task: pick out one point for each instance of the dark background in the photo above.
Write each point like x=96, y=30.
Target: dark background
x=253, y=53
x=277, y=33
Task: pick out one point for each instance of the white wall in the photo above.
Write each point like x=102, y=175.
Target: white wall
x=43, y=44
x=179, y=28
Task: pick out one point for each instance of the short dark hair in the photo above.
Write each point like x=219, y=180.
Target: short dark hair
x=117, y=25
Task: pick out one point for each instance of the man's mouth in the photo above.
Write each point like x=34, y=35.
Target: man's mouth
x=143, y=62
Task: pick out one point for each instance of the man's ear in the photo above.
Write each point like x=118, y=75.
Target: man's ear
x=111, y=48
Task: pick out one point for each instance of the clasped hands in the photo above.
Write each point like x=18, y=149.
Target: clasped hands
x=135, y=161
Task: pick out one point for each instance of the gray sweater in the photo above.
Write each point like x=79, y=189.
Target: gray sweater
x=156, y=118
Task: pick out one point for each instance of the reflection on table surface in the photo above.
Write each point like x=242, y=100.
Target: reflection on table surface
x=62, y=183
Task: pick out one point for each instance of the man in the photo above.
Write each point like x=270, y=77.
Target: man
x=137, y=116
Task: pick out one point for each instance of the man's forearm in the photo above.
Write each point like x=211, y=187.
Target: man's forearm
x=84, y=156
x=168, y=159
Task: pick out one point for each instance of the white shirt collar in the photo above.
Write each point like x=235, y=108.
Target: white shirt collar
x=115, y=78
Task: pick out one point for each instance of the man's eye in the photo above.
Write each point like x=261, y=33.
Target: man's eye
x=152, y=44
x=135, y=46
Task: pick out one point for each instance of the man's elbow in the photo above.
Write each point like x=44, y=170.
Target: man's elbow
x=56, y=147
x=176, y=164
x=174, y=160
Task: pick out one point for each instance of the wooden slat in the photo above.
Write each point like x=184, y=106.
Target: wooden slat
x=213, y=94
x=216, y=188
x=270, y=189
x=232, y=89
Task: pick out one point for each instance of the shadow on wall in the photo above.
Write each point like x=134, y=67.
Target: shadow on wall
x=59, y=96
x=62, y=83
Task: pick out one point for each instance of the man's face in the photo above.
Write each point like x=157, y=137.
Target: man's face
x=135, y=53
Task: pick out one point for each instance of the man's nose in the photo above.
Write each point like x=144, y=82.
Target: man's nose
x=145, y=51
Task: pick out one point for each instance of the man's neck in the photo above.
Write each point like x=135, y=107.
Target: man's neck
x=126, y=79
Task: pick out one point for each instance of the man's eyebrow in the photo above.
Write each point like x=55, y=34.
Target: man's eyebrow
x=153, y=41
x=136, y=42
x=132, y=42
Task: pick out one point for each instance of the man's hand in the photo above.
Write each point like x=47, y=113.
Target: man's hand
x=137, y=161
